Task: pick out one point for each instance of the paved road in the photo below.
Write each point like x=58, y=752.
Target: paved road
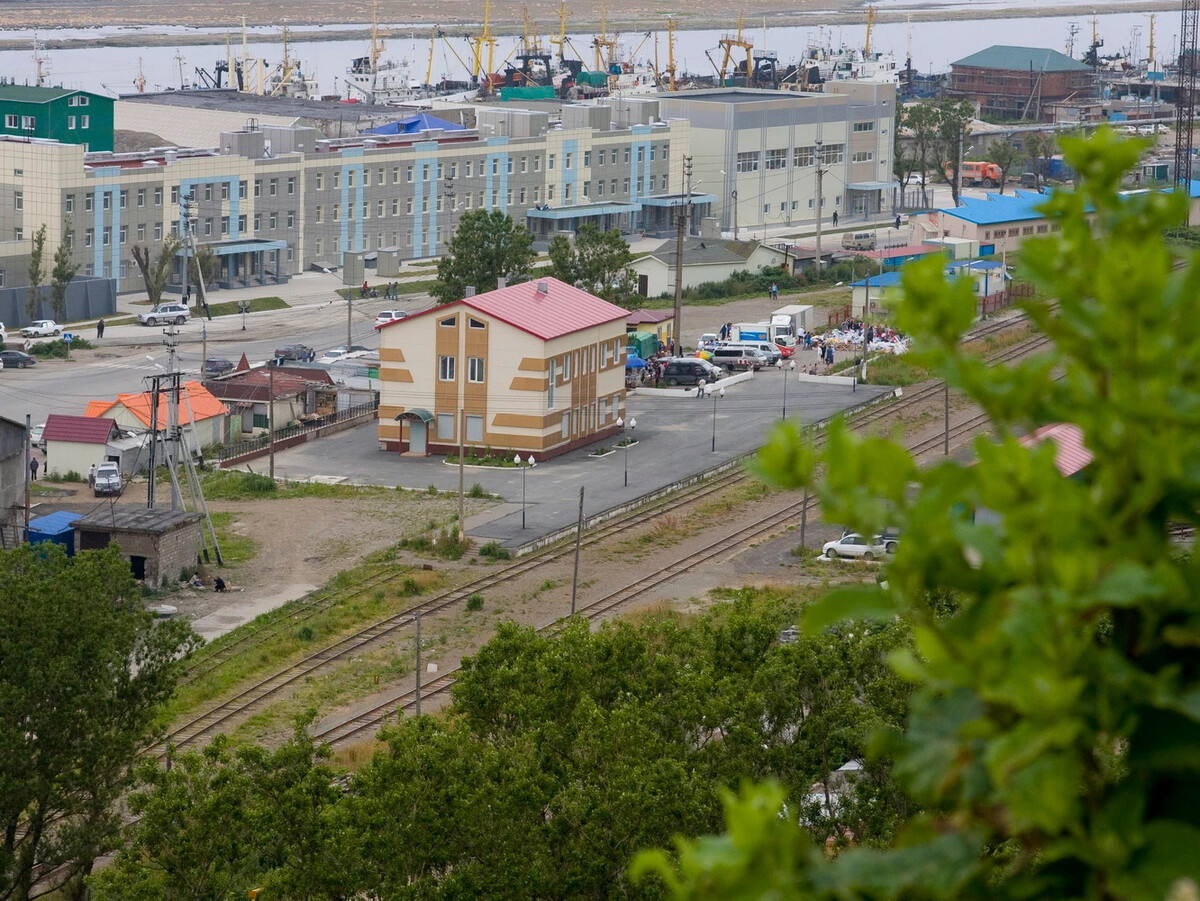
x=675, y=436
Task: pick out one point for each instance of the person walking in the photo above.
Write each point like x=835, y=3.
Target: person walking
x=33, y=468
x=92, y=476
x=99, y=328
x=835, y=218
x=700, y=390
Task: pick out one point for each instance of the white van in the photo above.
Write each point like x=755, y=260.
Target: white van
x=858, y=241
x=766, y=348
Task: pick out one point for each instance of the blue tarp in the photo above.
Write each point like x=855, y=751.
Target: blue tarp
x=633, y=362
x=415, y=124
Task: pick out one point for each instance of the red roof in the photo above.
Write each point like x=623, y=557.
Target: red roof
x=649, y=317
x=79, y=429
x=255, y=385
x=1070, y=455
x=561, y=310
x=194, y=400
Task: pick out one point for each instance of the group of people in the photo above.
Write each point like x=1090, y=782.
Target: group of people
x=391, y=291
x=196, y=582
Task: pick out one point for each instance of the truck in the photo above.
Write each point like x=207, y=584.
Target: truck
x=976, y=173
x=788, y=323
x=751, y=331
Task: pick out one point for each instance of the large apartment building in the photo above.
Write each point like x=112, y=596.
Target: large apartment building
x=270, y=201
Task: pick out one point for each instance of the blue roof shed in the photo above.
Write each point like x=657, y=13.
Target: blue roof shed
x=55, y=527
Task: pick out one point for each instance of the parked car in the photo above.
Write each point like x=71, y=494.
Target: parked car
x=854, y=545
x=690, y=370
x=16, y=359
x=217, y=366
x=35, y=436
x=739, y=359
x=298, y=352
x=334, y=354
x=1161, y=129
x=41, y=328
x=769, y=349
x=175, y=313
x=386, y=316
x=108, y=480
x=708, y=341
x=890, y=539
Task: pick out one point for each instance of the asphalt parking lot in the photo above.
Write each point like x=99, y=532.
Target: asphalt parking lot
x=675, y=436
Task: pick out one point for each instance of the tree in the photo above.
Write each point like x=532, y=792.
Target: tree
x=64, y=270
x=1052, y=736
x=156, y=272
x=953, y=128
x=595, y=261
x=85, y=672
x=486, y=246
x=202, y=269
x=37, y=272
x=1004, y=154
x=921, y=119
x=1039, y=146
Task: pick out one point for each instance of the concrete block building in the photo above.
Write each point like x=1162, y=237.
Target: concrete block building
x=161, y=545
x=537, y=368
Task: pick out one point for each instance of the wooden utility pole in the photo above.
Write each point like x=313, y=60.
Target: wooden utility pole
x=820, y=205
x=462, y=427
x=418, y=663
x=28, y=455
x=271, y=420
x=685, y=210
x=578, y=538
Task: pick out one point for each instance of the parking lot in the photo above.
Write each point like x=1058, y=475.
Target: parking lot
x=675, y=435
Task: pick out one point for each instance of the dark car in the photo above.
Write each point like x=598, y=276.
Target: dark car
x=217, y=366
x=297, y=352
x=690, y=370
x=15, y=359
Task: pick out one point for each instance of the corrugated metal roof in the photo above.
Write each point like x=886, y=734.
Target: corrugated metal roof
x=79, y=429
x=1039, y=59
x=31, y=94
x=255, y=385
x=1070, y=455
x=699, y=251
x=563, y=309
x=649, y=317
x=999, y=208
x=198, y=400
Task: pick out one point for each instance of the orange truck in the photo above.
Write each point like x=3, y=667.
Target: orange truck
x=976, y=173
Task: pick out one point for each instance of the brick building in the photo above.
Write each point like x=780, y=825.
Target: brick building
x=1019, y=82
x=161, y=545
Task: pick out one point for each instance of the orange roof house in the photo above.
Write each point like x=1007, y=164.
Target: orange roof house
x=133, y=412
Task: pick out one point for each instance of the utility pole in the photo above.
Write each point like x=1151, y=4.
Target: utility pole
x=462, y=427
x=820, y=205
x=685, y=211
x=154, y=380
x=185, y=210
x=578, y=538
x=271, y=419
x=171, y=343
x=349, y=314
x=733, y=197
x=204, y=345
x=28, y=452
x=418, y=663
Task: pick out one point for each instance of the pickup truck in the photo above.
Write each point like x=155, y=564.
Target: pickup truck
x=41, y=328
x=108, y=480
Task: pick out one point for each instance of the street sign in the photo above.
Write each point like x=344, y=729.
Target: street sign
x=68, y=337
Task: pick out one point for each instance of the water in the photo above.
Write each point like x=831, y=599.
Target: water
x=935, y=45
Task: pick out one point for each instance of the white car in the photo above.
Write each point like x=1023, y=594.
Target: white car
x=175, y=313
x=386, y=316
x=854, y=545
x=35, y=436
x=1161, y=129
x=41, y=328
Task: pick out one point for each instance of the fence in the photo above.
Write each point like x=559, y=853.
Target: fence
x=838, y=315
x=294, y=434
x=1001, y=300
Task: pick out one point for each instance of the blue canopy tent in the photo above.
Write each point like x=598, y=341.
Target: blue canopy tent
x=634, y=362
x=415, y=124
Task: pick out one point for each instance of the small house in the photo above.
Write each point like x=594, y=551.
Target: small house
x=704, y=260
x=161, y=545
x=76, y=443
x=203, y=418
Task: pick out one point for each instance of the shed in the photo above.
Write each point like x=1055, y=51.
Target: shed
x=642, y=344
x=74, y=443
x=161, y=545
x=57, y=528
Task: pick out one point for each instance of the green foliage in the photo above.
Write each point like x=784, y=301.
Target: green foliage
x=64, y=270
x=597, y=262
x=475, y=602
x=446, y=544
x=84, y=670
x=487, y=245
x=257, y=305
x=156, y=271
x=70, y=475
x=476, y=490
x=1004, y=154
x=1038, y=146
x=1053, y=730
x=37, y=272
x=56, y=349
x=495, y=551
x=234, y=484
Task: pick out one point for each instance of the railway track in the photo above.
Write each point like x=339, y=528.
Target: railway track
x=256, y=696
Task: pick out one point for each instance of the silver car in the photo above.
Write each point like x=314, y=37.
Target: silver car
x=854, y=545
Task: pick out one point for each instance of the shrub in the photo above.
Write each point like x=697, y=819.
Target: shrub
x=495, y=551
x=477, y=491
x=410, y=588
x=475, y=602
x=305, y=633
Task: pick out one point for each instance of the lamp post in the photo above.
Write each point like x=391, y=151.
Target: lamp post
x=787, y=375
x=524, y=469
x=720, y=392
x=624, y=444
x=449, y=192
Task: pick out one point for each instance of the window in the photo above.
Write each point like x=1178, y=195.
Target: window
x=467, y=169
x=106, y=236
x=475, y=323
x=395, y=206
x=395, y=175
x=599, y=157
x=257, y=222
x=337, y=212
x=537, y=164
x=320, y=213
x=587, y=157
x=224, y=225
x=29, y=123
x=123, y=235
x=208, y=192
x=83, y=100
x=258, y=187
x=566, y=424
x=445, y=426
x=174, y=195
x=291, y=185
x=158, y=196
x=475, y=369
x=626, y=155
x=349, y=179
x=566, y=161
x=273, y=221
x=71, y=123
x=69, y=203
x=337, y=180
x=89, y=237
x=550, y=161
x=18, y=234
x=320, y=181
x=19, y=200
x=446, y=369
x=766, y=207
x=425, y=173
x=550, y=388
x=408, y=173
x=747, y=162
x=508, y=165
x=448, y=323
x=566, y=367
x=208, y=223
x=625, y=186
x=862, y=156
x=600, y=188
x=508, y=197
x=11, y=121
x=776, y=159
x=454, y=170
x=291, y=219
x=242, y=189
x=408, y=205
x=87, y=203
x=158, y=231
x=641, y=154
x=273, y=187
x=106, y=201
x=833, y=153
x=566, y=193
x=864, y=126
x=141, y=197
x=524, y=164
x=379, y=209
x=241, y=224
x=612, y=186
x=475, y=428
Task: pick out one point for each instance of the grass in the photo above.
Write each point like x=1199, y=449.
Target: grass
x=257, y=305
x=420, y=286
x=235, y=547
x=236, y=485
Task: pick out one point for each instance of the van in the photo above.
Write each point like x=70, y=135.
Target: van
x=767, y=348
x=858, y=241
x=739, y=358
x=690, y=371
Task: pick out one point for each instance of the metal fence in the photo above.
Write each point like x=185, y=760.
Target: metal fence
x=260, y=443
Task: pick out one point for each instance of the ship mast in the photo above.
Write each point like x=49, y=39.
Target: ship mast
x=727, y=43
x=602, y=42
x=42, y=64
x=561, y=41
x=484, y=38
x=870, y=25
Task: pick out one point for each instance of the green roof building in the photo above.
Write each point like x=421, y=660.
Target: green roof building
x=59, y=114
x=1019, y=82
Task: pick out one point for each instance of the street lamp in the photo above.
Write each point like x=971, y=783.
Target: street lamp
x=720, y=392
x=786, y=377
x=524, y=468
x=449, y=192
x=626, y=442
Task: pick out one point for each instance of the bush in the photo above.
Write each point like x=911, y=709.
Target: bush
x=69, y=476
x=475, y=602
x=495, y=551
x=410, y=588
x=477, y=491
x=230, y=484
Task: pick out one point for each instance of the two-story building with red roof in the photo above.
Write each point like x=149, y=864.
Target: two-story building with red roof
x=536, y=368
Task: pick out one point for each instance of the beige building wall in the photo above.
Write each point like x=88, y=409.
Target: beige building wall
x=66, y=456
x=186, y=128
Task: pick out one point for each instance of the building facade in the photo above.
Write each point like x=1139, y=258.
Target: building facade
x=1020, y=82
x=271, y=201
x=536, y=368
x=57, y=114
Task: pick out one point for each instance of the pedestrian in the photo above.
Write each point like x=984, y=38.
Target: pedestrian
x=700, y=390
x=835, y=218
x=724, y=332
x=33, y=468
x=829, y=355
x=365, y=288
x=218, y=584
x=100, y=328
x=92, y=476
x=774, y=291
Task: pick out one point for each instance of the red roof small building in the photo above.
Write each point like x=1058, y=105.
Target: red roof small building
x=536, y=368
x=75, y=443
x=1071, y=454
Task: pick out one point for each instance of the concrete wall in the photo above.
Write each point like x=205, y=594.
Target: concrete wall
x=87, y=298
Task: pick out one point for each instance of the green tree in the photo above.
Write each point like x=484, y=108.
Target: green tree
x=1004, y=154
x=921, y=121
x=595, y=261
x=1039, y=146
x=950, y=142
x=487, y=246
x=202, y=268
x=83, y=673
x=37, y=272
x=64, y=270
x=1052, y=736
x=156, y=271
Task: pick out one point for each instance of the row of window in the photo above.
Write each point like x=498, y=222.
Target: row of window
x=751, y=160
x=783, y=204
x=576, y=421
x=26, y=123
x=1021, y=230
